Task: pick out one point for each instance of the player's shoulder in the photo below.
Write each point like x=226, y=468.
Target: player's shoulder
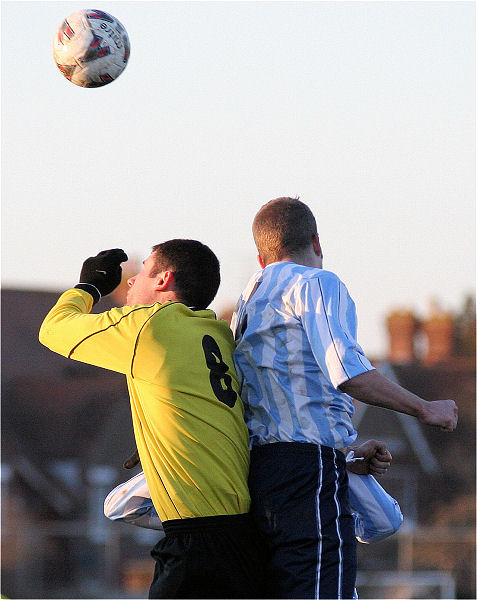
x=311, y=274
x=181, y=313
x=290, y=275
x=325, y=282
x=141, y=313
x=321, y=274
x=139, y=309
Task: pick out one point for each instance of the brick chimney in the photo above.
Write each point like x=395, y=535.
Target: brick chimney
x=439, y=329
x=402, y=326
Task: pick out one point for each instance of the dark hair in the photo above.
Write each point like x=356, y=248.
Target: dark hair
x=196, y=270
x=283, y=227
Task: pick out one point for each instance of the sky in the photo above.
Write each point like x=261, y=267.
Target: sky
x=365, y=110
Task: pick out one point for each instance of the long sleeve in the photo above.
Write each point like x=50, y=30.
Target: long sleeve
x=377, y=514
x=104, y=340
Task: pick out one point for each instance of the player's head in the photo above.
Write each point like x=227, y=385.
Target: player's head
x=284, y=229
x=182, y=270
x=196, y=270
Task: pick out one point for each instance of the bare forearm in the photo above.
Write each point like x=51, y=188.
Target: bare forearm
x=374, y=388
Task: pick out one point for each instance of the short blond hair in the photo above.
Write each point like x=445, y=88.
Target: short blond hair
x=283, y=227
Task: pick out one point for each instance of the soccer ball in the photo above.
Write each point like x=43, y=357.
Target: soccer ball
x=91, y=48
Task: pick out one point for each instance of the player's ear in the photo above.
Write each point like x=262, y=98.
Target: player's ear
x=317, y=246
x=164, y=281
x=261, y=262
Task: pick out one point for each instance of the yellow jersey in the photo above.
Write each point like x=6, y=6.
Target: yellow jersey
x=186, y=410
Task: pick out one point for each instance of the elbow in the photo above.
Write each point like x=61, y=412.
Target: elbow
x=371, y=536
x=396, y=519
x=360, y=386
x=352, y=388
x=43, y=335
x=46, y=337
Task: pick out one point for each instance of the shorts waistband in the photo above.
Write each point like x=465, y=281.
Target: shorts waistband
x=297, y=448
x=213, y=522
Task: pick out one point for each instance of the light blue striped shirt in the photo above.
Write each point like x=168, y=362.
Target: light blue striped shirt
x=295, y=329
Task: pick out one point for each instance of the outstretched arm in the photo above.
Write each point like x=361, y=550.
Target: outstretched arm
x=103, y=339
x=375, y=389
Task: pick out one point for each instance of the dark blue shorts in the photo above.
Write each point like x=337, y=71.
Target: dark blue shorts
x=300, y=505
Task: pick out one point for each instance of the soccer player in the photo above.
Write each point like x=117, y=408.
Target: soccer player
x=187, y=414
x=300, y=365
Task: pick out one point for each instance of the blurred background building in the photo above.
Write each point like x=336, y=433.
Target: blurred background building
x=66, y=431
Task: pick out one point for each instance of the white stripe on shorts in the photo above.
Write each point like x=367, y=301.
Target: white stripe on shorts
x=338, y=530
x=318, y=521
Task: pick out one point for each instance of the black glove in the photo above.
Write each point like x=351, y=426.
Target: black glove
x=101, y=274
